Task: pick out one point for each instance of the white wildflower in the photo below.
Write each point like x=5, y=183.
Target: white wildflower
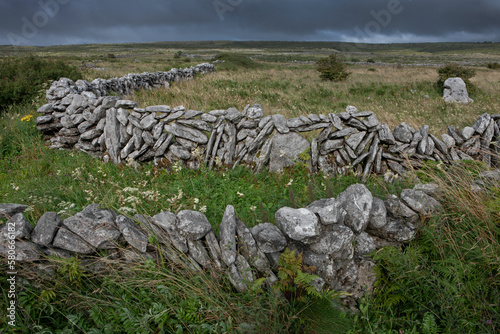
x=253, y=208
x=203, y=209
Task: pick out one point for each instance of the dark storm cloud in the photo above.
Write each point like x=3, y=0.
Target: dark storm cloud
x=45, y=22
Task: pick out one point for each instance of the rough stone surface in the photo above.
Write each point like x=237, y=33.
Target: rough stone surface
x=455, y=91
x=17, y=227
x=228, y=236
x=286, y=149
x=193, y=225
x=8, y=210
x=297, y=224
x=269, y=238
x=357, y=201
x=46, y=228
x=132, y=233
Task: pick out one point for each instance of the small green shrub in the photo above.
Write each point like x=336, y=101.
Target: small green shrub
x=178, y=54
x=370, y=60
x=456, y=71
x=21, y=78
x=332, y=68
x=493, y=66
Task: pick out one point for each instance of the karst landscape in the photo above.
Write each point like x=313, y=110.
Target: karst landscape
x=250, y=187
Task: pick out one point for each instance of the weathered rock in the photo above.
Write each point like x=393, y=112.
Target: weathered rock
x=286, y=150
x=67, y=240
x=193, y=225
x=336, y=240
x=269, y=238
x=187, y=133
x=228, y=236
x=132, y=233
x=280, y=123
x=330, y=146
x=46, y=228
x=378, y=214
x=297, y=224
x=404, y=133
x=364, y=244
x=199, y=253
x=7, y=210
x=333, y=213
x=385, y=135
x=255, y=111
x=357, y=201
x=17, y=227
x=397, y=209
x=420, y=202
x=25, y=251
x=455, y=91
x=395, y=230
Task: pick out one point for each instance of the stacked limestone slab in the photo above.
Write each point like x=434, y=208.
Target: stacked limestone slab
x=334, y=235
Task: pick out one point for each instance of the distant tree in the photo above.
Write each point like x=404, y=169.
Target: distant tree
x=332, y=68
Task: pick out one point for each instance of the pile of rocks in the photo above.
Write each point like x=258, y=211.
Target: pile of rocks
x=334, y=236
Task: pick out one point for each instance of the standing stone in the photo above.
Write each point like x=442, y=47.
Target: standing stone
x=112, y=135
x=228, y=236
x=168, y=222
x=17, y=226
x=455, y=91
x=132, y=233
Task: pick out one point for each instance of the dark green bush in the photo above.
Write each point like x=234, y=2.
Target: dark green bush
x=493, y=66
x=21, y=78
x=456, y=71
x=332, y=68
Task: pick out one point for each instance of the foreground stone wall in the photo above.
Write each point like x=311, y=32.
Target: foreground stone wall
x=80, y=116
x=334, y=236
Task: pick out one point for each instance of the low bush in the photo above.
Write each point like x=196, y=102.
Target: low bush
x=332, y=68
x=493, y=66
x=21, y=78
x=456, y=71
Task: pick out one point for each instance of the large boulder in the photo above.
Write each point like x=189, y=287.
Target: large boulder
x=455, y=91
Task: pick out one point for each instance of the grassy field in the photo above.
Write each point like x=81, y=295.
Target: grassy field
x=446, y=280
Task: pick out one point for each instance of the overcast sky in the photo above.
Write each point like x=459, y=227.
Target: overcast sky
x=55, y=22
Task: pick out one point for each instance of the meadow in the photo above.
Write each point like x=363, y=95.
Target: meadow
x=446, y=280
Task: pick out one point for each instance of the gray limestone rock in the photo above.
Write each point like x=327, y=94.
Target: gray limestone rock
x=330, y=146
x=297, y=224
x=193, y=225
x=378, y=214
x=112, y=135
x=148, y=122
x=96, y=226
x=159, y=109
x=269, y=238
x=126, y=104
x=7, y=210
x=280, y=123
x=214, y=249
x=364, y=244
x=397, y=209
x=228, y=236
x=46, y=228
x=420, y=202
x=25, y=251
x=334, y=241
x=286, y=149
x=357, y=201
x=333, y=213
x=404, y=133
x=187, y=133
x=395, y=230
x=455, y=91
x=132, y=233
x=17, y=227
x=199, y=253
x=169, y=222
x=255, y=111
x=233, y=115
x=385, y=135
x=67, y=240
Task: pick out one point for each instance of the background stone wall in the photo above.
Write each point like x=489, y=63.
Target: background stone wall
x=82, y=116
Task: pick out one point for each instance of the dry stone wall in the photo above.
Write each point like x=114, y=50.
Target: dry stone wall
x=82, y=116
x=334, y=236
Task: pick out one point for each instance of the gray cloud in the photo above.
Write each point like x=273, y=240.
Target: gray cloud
x=49, y=22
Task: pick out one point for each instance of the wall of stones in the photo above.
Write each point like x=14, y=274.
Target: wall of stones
x=334, y=235
x=83, y=116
